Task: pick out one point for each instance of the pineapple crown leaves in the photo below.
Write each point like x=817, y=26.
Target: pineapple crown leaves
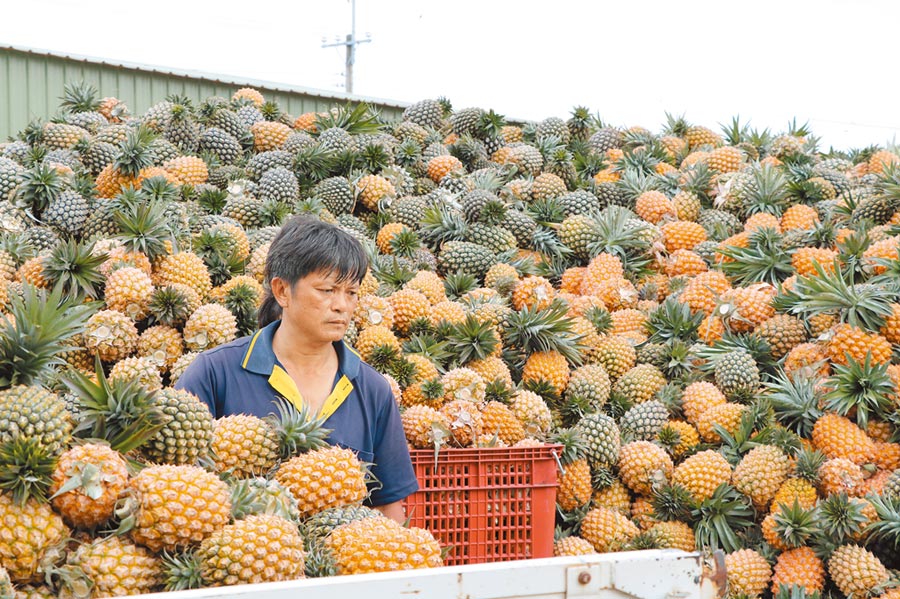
x=472, y=339
x=839, y=519
x=357, y=119
x=795, y=400
x=887, y=527
x=673, y=320
x=169, y=306
x=676, y=125
x=313, y=163
x=144, y=227
x=135, y=152
x=864, y=306
x=182, y=570
x=754, y=430
x=261, y=496
x=123, y=413
x=763, y=261
x=26, y=468
x=442, y=223
x=758, y=348
x=735, y=132
x=795, y=525
x=808, y=463
x=795, y=591
x=534, y=330
x=79, y=97
x=76, y=268
x=766, y=192
x=31, y=341
x=489, y=125
x=620, y=233
x=40, y=185
x=298, y=431
x=430, y=346
x=865, y=388
x=721, y=518
x=672, y=502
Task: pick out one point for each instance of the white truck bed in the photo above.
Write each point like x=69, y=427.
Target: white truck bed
x=654, y=574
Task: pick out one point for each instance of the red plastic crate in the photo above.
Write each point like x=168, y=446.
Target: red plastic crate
x=487, y=504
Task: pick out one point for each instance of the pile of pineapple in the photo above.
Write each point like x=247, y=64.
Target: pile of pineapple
x=706, y=323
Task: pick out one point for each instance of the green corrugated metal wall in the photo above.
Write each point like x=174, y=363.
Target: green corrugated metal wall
x=31, y=83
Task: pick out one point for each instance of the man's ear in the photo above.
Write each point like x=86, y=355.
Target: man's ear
x=281, y=291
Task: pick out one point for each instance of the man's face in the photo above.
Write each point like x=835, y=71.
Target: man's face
x=321, y=307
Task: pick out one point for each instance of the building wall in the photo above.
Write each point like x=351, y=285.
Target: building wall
x=32, y=82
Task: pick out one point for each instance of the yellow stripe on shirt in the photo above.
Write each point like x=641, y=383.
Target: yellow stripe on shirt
x=282, y=382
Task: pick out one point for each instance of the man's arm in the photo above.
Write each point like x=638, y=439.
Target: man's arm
x=395, y=511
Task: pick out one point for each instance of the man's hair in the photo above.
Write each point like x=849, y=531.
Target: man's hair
x=306, y=245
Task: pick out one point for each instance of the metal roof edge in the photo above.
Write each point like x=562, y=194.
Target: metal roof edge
x=213, y=77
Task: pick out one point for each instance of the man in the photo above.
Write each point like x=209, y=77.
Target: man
x=312, y=276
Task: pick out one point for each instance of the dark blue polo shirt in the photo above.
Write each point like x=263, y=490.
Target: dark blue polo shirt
x=234, y=379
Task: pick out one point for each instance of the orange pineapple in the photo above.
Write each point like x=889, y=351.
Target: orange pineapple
x=652, y=206
x=702, y=473
x=801, y=567
x=799, y=216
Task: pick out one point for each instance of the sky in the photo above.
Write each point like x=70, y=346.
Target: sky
x=831, y=63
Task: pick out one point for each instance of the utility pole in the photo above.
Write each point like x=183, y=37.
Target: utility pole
x=351, y=42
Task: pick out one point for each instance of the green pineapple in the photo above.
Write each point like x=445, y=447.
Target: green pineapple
x=426, y=113
x=465, y=257
x=278, y=184
x=737, y=375
x=181, y=128
x=75, y=268
x=221, y=144
x=602, y=439
x=642, y=422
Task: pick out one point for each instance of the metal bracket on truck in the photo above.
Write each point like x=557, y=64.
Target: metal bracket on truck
x=653, y=574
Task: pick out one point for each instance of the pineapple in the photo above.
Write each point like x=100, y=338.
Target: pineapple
x=748, y=573
x=643, y=464
x=86, y=484
x=575, y=479
x=603, y=440
x=799, y=567
x=244, y=445
x=187, y=430
x=128, y=290
x=116, y=567
x=134, y=157
x=425, y=427
x=702, y=473
x=30, y=530
x=209, y=326
x=176, y=507
x=324, y=478
x=380, y=545
x=572, y=545
x=607, y=530
x=464, y=421
x=760, y=474
x=497, y=419
x=111, y=335
x=257, y=548
x=640, y=384
x=856, y=571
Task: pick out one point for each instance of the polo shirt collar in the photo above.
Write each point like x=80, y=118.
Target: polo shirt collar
x=260, y=357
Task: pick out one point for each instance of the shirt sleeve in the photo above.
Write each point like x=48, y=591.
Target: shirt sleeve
x=393, y=466
x=200, y=379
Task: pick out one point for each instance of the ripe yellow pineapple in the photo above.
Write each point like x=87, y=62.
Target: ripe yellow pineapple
x=209, y=326
x=424, y=426
x=89, y=479
x=244, y=445
x=27, y=533
x=795, y=489
x=673, y=535
x=381, y=545
x=848, y=340
x=258, y=548
x=492, y=369
x=682, y=235
x=548, y=366
x=533, y=292
x=801, y=567
x=176, y=507
x=324, y=478
x=464, y=421
x=117, y=567
x=372, y=189
x=111, y=335
x=702, y=473
x=162, y=344
x=838, y=437
x=642, y=464
x=183, y=267
x=748, y=573
x=532, y=411
x=408, y=305
x=497, y=419
x=190, y=170
x=429, y=284
x=856, y=571
x=372, y=338
x=760, y=474
x=727, y=415
x=840, y=475
x=463, y=383
x=615, y=496
x=607, y=530
x=269, y=135
x=572, y=545
x=372, y=309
